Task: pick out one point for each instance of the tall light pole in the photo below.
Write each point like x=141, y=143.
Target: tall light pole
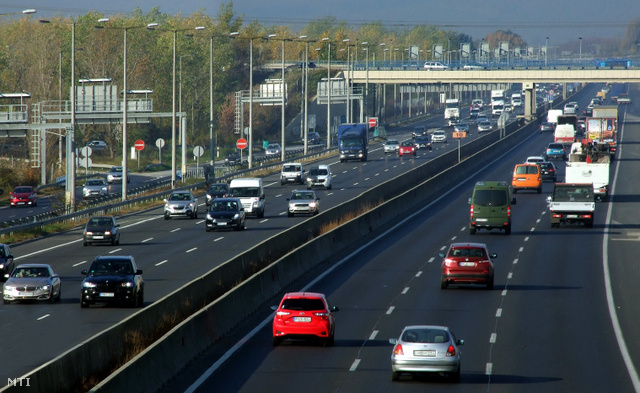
x=546, y=51
x=580, y=39
x=212, y=141
x=306, y=92
x=366, y=88
x=283, y=90
x=328, y=93
x=346, y=41
x=250, y=156
x=124, y=100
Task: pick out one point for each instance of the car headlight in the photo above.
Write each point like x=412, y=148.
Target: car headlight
x=312, y=204
x=291, y=205
x=236, y=216
x=127, y=284
x=9, y=287
x=88, y=233
x=107, y=232
x=89, y=284
x=45, y=287
x=191, y=205
x=104, y=189
x=1, y=265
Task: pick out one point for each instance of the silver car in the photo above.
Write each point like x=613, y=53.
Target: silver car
x=484, y=126
x=439, y=136
x=32, y=281
x=274, y=149
x=426, y=349
x=303, y=202
x=391, y=146
x=115, y=175
x=181, y=204
x=94, y=188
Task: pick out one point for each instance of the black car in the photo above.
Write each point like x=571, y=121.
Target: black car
x=101, y=229
x=232, y=159
x=548, y=171
x=423, y=142
x=6, y=261
x=547, y=127
x=216, y=190
x=225, y=213
x=113, y=279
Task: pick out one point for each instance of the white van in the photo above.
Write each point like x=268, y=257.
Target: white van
x=251, y=194
x=434, y=65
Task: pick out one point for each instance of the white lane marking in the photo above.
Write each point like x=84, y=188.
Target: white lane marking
x=163, y=262
x=443, y=248
x=175, y=230
x=43, y=317
x=454, y=238
x=521, y=249
x=278, y=195
x=390, y=310
x=526, y=239
x=515, y=261
x=493, y=338
x=199, y=222
x=147, y=240
x=265, y=220
x=355, y=184
x=419, y=274
x=498, y=313
x=193, y=249
x=354, y=366
x=431, y=260
x=115, y=251
x=488, y=369
x=377, y=174
x=373, y=335
x=504, y=292
x=79, y=263
x=510, y=275
x=218, y=239
x=282, y=213
x=405, y=290
x=330, y=194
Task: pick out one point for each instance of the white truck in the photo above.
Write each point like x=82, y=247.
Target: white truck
x=552, y=115
x=589, y=164
x=572, y=203
x=451, y=108
x=565, y=129
x=516, y=100
x=497, y=102
x=251, y=194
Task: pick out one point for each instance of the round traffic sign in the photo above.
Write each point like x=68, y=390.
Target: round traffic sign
x=139, y=145
x=373, y=122
x=241, y=143
x=160, y=143
x=198, y=151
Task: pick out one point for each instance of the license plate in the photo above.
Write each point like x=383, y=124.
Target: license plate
x=107, y=294
x=301, y=319
x=98, y=237
x=482, y=220
x=26, y=294
x=467, y=264
x=430, y=353
x=221, y=224
x=572, y=216
x=522, y=179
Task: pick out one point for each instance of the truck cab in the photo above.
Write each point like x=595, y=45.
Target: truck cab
x=251, y=194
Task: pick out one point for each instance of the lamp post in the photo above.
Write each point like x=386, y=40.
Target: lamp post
x=546, y=51
x=366, y=85
x=347, y=40
x=328, y=92
x=282, y=141
x=306, y=92
x=124, y=99
x=212, y=141
x=183, y=130
x=580, y=39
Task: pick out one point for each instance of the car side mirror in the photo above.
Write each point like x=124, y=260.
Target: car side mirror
x=393, y=341
x=117, y=225
x=139, y=271
x=6, y=276
x=441, y=255
x=460, y=342
x=549, y=199
x=165, y=201
x=513, y=201
x=493, y=255
x=10, y=256
x=335, y=308
x=274, y=308
x=261, y=196
x=84, y=272
x=288, y=199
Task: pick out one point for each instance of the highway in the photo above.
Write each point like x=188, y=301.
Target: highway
x=170, y=253
x=545, y=327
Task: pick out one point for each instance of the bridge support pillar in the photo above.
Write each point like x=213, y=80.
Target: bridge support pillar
x=529, y=100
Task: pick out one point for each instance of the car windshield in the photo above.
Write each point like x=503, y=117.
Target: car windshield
x=95, y=182
x=179, y=197
x=107, y=267
x=425, y=335
x=556, y=146
x=302, y=195
x=303, y=304
x=391, y=143
x=291, y=168
x=467, y=252
x=245, y=192
x=407, y=144
x=490, y=198
x=100, y=222
x=573, y=194
x=216, y=189
x=224, y=206
x=527, y=170
x=30, y=272
x=351, y=142
x=116, y=169
x=22, y=190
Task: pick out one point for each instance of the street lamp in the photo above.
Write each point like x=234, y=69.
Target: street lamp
x=546, y=51
x=366, y=88
x=124, y=99
x=328, y=92
x=282, y=153
x=306, y=91
x=580, y=39
x=349, y=65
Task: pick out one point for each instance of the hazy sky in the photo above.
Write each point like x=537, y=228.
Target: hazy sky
x=560, y=20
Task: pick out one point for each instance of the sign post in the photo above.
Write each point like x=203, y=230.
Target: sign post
x=241, y=144
x=198, y=151
x=139, y=145
x=160, y=145
x=459, y=135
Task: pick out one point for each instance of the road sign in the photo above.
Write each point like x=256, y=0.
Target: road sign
x=241, y=143
x=459, y=134
x=373, y=121
x=198, y=151
x=159, y=143
x=86, y=151
x=139, y=145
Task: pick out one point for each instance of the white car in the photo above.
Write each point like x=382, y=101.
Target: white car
x=95, y=188
x=319, y=176
x=434, y=65
x=484, y=125
x=391, y=146
x=115, y=175
x=439, y=136
x=535, y=159
x=292, y=172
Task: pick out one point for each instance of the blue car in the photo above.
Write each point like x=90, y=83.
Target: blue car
x=555, y=151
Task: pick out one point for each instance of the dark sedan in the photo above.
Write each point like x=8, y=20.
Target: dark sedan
x=548, y=171
x=225, y=213
x=6, y=261
x=216, y=190
x=101, y=229
x=113, y=279
x=547, y=127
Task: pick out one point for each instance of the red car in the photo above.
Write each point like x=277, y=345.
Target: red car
x=467, y=263
x=304, y=315
x=23, y=195
x=407, y=148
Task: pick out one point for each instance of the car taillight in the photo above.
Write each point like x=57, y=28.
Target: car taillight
x=508, y=212
x=472, y=211
x=282, y=313
x=398, y=350
x=451, y=351
x=322, y=315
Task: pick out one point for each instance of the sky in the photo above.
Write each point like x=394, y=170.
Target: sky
x=561, y=20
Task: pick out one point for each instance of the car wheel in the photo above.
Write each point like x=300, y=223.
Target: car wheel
x=52, y=297
x=59, y=298
x=539, y=190
x=84, y=304
x=84, y=243
x=5, y=301
x=118, y=241
x=472, y=230
x=395, y=375
x=507, y=230
x=281, y=183
x=276, y=341
x=35, y=203
x=316, y=212
x=167, y=216
x=207, y=229
x=289, y=214
x=490, y=283
x=515, y=190
x=589, y=224
x=141, y=299
x=113, y=241
x=308, y=187
x=455, y=377
x=328, y=188
x=330, y=341
x=443, y=283
x=195, y=214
